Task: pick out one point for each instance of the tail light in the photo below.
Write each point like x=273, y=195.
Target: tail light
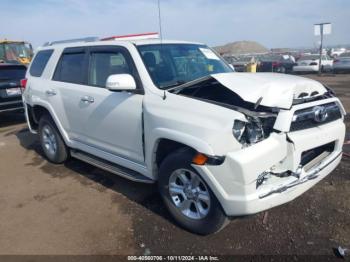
x=274, y=64
x=23, y=83
x=313, y=63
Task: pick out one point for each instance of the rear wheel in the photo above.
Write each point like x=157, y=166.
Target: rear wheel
x=187, y=196
x=281, y=70
x=51, y=141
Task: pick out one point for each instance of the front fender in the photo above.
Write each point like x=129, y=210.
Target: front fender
x=186, y=139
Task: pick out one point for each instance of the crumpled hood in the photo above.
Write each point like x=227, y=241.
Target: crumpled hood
x=276, y=90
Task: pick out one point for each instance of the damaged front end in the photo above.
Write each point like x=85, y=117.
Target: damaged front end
x=290, y=141
x=259, y=119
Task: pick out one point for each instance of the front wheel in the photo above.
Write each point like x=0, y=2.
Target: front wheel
x=188, y=197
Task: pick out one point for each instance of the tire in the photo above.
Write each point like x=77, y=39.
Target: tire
x=212, y=218
x=281, y=70
x=51, y=141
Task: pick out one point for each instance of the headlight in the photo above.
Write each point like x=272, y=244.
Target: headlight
x=238, y=129
x=248, y=132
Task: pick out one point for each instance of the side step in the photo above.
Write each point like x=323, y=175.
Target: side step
x=111, y=167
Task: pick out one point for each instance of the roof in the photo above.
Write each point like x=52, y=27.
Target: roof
x=11, y=42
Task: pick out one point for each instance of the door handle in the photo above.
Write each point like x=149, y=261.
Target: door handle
x=87, y=99
x=51, y=92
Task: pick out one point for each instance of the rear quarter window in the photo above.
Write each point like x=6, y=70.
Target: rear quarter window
x=39, y=63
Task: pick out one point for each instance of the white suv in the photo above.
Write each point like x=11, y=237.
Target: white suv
x=218, y=143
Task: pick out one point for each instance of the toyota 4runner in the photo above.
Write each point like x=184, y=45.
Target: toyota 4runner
x=218, y=143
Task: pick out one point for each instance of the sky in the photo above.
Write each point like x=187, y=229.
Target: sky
x=273, y=23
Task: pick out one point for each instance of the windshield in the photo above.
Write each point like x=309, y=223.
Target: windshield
x=170, y=65
x=13, y=51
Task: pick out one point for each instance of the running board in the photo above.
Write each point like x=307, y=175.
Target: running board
x=111, y=167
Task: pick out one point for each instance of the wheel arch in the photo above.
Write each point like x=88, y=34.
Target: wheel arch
x=36, y=111
x=171, y=141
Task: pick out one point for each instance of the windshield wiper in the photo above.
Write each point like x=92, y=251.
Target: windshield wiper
x=192, y=83
x=177, y=83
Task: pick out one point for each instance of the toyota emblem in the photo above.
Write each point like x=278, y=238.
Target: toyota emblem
x=320, y=114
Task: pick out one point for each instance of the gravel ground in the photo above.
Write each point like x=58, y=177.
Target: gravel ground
x=78, y=209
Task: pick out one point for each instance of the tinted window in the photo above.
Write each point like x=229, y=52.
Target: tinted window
x=12, y=72
x=39, y=62
x=70, y=68
x=104, y=64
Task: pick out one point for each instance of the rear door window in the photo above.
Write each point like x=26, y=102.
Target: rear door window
x=39, y=63
x=71, y=67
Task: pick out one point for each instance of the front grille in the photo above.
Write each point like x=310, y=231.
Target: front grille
x=315, y=116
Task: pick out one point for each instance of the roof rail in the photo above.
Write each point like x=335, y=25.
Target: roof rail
x=76, y=40
x=132, y=37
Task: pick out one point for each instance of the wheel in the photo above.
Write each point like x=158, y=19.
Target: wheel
x=51, y=141
x=188, y=197
x=281, y=70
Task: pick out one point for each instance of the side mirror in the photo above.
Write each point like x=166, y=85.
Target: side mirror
x=120, y=82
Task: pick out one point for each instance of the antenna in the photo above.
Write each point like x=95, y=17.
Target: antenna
x=160, y=22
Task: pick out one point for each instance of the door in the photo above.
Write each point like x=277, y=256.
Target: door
x=112, y=120
x=64, y=92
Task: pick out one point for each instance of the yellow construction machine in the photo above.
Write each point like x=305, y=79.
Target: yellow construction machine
x=18, y=52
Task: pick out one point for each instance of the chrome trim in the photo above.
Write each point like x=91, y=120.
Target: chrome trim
x=51, y=92
x=87, y=99
x=11, y=109
x=312, y=175
x=311, y=114
x=11, y=102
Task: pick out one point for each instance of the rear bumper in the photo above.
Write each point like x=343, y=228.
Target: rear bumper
x=235, y=181
x=11, y=106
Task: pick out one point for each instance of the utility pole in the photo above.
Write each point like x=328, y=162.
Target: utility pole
x=320, y=29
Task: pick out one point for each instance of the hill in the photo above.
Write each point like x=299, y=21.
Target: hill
x=241, y=47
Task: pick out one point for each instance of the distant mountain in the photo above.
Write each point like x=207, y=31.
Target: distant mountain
x=241, y=47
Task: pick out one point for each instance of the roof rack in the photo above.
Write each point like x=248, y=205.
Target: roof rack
x=133, y=37
x=76, y=40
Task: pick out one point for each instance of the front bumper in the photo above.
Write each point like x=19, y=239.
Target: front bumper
x=235, y=181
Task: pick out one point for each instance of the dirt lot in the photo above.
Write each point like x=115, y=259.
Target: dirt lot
x=78, y=209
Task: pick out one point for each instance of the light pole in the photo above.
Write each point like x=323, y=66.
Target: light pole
x=320, y=29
